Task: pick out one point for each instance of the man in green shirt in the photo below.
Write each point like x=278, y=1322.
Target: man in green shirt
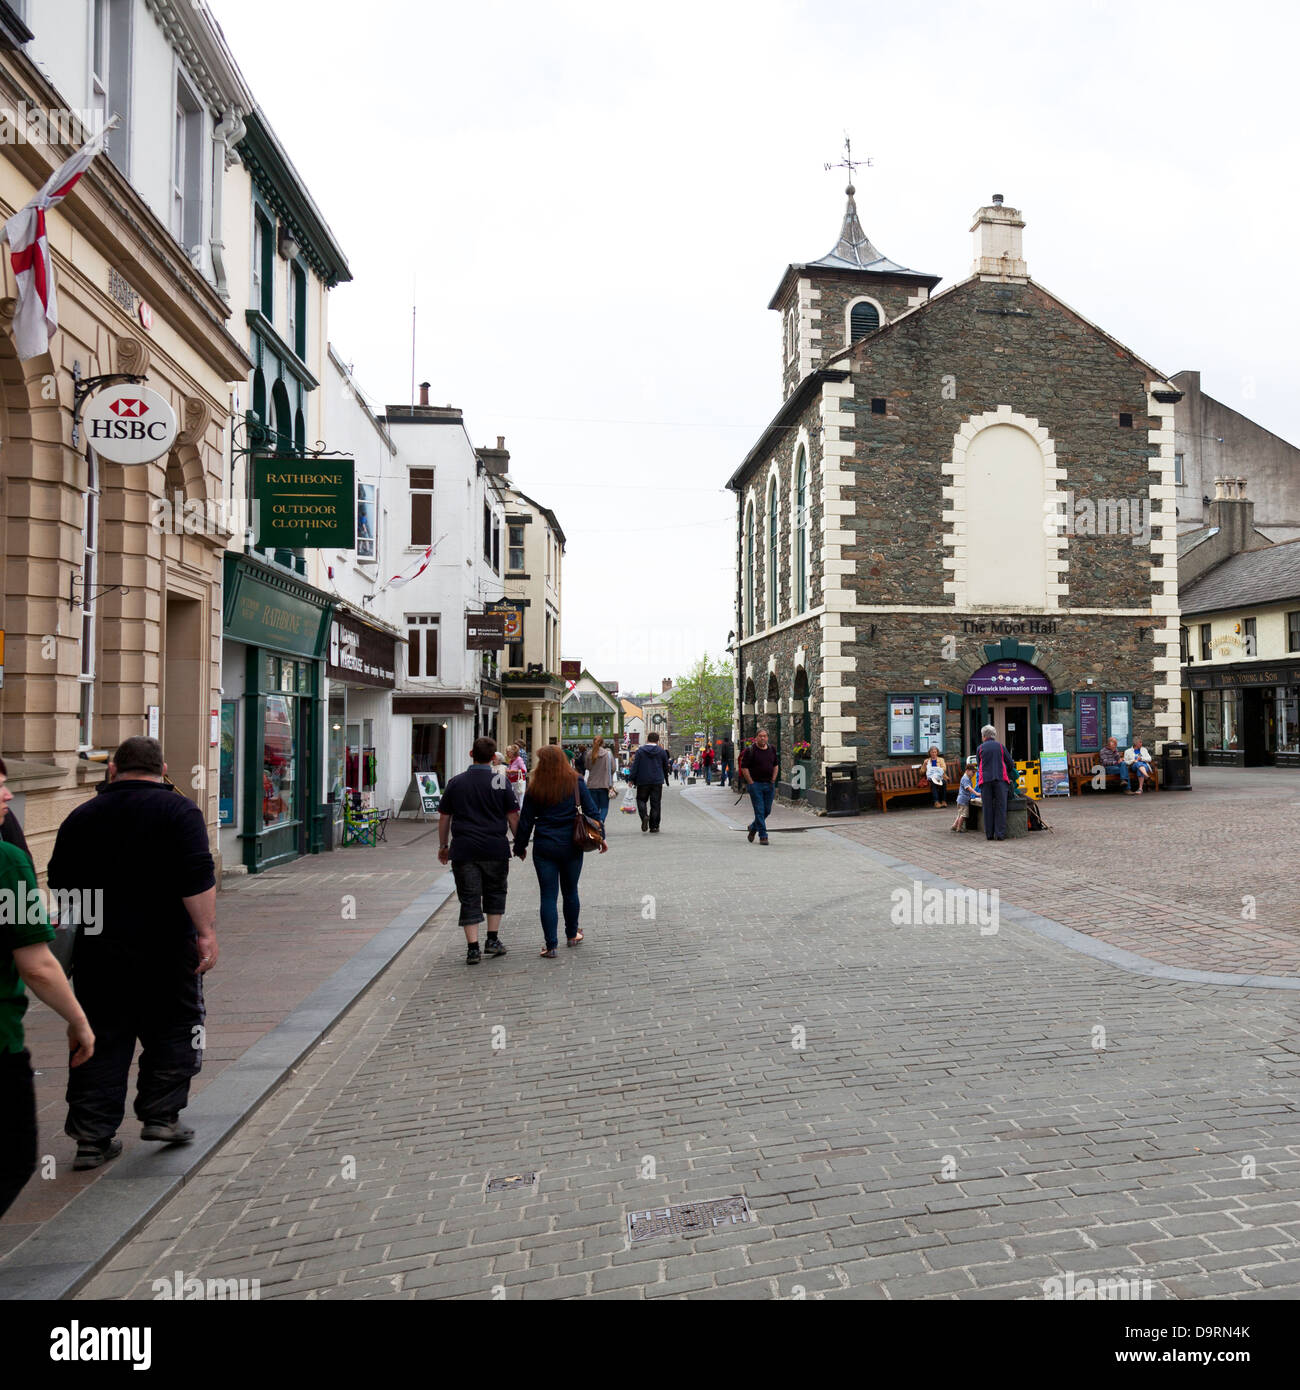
x=26, y=959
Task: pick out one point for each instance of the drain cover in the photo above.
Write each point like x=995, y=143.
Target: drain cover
x=506, y=1184
x=688, y=1219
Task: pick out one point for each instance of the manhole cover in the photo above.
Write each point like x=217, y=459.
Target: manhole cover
x=507, y=1184
x=688, y=1219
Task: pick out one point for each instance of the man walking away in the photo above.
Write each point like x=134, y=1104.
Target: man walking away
x=26, y=959
x=138, y=855
x=473, y=816
x=759, y=766
x=650, y=771
x=707, y=759
x=726, y=761
x=995, y=783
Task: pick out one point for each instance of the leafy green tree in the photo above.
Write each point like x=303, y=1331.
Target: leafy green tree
x=701, y=699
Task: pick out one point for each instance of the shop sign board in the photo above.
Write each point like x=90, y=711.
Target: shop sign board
x=513, y=617
x=306, y=503
x=484, y=632
x=129, y=424
x=265, y=616
x=360, y=654
x=571, y=670
x=1008, y=678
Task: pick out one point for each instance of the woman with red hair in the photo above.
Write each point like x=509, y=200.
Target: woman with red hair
x=551, y=802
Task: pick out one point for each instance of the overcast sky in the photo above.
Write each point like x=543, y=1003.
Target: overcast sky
x=595, y=202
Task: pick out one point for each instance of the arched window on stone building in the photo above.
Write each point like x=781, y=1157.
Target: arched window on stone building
x=864, y=318
x=771, y=552
x=801, y=531
x=750, y=538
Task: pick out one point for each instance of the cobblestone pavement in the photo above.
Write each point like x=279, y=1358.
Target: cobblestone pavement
x=281, y=933
x=1168, y=876
x=954, y=1125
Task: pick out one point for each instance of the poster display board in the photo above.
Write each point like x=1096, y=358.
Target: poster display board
x=902, y=726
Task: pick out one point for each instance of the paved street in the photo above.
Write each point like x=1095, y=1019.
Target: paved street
x=953, y=1125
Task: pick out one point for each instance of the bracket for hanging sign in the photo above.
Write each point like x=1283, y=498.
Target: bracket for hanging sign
x=85, y=387
x=84, y=600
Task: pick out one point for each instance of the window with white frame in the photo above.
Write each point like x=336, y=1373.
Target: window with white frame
x=515, y=550
x=187, y=168
x=89, y=586
x=99, y=59
x=421, y=480
x=422, y=644
x=750, y=528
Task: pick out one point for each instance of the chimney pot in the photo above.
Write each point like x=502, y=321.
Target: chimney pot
x=501, y=441
x=997, y=200
x=424, y=393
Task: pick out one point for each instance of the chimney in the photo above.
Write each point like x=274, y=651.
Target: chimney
x=667, y=686
x=424, y=393
x=496, y=461
x=998, y=251
x=1234, y=514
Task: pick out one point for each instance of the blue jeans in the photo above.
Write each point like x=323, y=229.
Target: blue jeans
x=761, y=796
x=724, y=774
x=708, y=774
x=600, y=795
x=558, y=876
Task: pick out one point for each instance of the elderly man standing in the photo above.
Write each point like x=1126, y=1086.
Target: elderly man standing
x=996, y=772
x=140, y=850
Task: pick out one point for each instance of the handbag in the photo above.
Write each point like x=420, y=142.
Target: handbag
x=587, y=832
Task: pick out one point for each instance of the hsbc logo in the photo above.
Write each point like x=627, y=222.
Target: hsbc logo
x=131, y=424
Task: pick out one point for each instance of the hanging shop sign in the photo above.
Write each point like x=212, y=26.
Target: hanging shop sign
x=360, y=654
x=571, y=670
x=485, y=632
x=129, y=424
x=306, y=503
x=513, y=617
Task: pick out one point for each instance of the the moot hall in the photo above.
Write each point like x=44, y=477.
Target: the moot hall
x=962, y=514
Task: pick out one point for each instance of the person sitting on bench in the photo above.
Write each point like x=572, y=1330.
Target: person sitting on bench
x=1136, y=759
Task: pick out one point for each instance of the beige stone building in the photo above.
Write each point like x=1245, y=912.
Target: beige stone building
x=111, y=616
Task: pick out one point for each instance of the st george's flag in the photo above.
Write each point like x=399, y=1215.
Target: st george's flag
x=29, y=253
x=398, y=580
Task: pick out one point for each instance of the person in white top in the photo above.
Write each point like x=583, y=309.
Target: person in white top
x=1136, y=760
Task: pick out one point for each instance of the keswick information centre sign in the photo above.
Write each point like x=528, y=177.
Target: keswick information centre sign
x=308, y=503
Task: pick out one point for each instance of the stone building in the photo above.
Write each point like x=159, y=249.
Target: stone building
x=962, y=514
x=111, y=610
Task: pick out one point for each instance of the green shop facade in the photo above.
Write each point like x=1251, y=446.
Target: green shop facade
x=275, y=639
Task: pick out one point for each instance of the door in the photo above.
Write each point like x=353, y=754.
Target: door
x=1257, y=703
x=1011, y=719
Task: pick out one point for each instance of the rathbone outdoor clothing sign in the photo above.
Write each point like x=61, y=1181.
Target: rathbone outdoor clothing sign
x=37, y=315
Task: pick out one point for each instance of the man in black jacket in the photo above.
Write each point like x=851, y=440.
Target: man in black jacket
x=650, y=771
x=140, y=850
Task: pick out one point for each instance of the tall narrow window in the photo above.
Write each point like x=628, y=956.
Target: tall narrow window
x=496, y=546
x=863, y=319
x=1207, y=653
x=99, y=60
x=515, y=551
x=187, y=170
x=1184, y=645
x=298, y=310
x=771, y=553
x=263, y=266
x=801, y=532
x=422, y=644
x=89, y=585
x=487, y=533
x=421, y=507
x=749, y=569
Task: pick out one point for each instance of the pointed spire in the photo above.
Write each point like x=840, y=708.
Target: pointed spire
x=854, y=245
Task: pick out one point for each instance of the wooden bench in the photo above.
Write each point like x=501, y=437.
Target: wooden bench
x=1082, y=768
x=903, y=779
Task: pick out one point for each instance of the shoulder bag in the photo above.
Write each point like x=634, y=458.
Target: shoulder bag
x=587, y=832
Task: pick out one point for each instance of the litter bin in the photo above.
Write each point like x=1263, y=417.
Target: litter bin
x=1176, y=767
x=842, y=789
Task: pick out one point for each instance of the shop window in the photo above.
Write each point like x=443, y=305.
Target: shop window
x=1119, y=719
x=422, y=644
x=515, y=552
x=279, y=761
x=229, y=755
x=421, y=482
x=1221, y=716
x=367, y=521
x=916, y=723
x=1288, y=719
x=1206, y=650
x=1293, y=631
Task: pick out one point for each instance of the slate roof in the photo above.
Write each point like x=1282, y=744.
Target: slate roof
x=1270, y=575
x=854, y=251
x=1189, y=540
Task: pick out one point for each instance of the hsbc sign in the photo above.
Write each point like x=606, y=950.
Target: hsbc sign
x=129, y=424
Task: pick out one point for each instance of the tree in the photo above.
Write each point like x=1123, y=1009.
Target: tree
x=701, y=699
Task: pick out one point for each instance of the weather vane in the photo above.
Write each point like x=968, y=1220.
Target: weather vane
x=848, y=162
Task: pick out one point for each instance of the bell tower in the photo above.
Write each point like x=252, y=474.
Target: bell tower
x=827, y=304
